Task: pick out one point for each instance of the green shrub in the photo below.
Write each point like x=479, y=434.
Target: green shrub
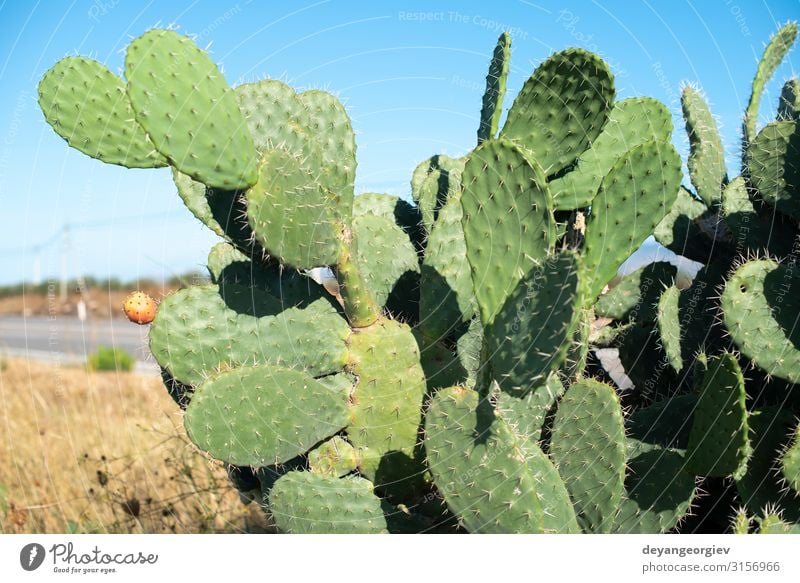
x=108, y=358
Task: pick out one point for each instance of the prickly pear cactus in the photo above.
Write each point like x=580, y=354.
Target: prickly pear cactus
x=445, y=376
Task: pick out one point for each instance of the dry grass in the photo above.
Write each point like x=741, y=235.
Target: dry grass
x=104, y=452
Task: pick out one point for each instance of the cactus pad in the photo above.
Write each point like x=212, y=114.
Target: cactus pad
x=706, y=156
x=446, y=296
x=774, y=165
x=387, y=262
x=790, y=463
x=183, y=102
x=562, y=108
x=631, y=122
x=719, y=444
x=262, y=415
x=201, y=329
x=495, y=89
x=336, y=457
x=494, y=480
x=291, y=213
x=636, y=295
x=669, y=326
x=588, y=448
x=635, y=195
x=507, y=220
x=308, y=503
x=761, y=306
x=86, y=104
x=763, y=484
x=531, y=333
x=386, y=405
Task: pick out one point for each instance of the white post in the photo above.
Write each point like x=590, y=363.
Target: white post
x=64, y=252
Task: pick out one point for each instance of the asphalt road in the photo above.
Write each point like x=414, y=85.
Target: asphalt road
x=68, y=340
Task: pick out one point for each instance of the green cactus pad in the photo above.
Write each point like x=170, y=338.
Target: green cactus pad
x=507, y=221
x=262, y=415
x=181, y=99
x=659, y=492
x=634, y=197
x=645, y=362
x=761, y=307
x=494, y=480
x=763, y=484
x=776, y=50
x=440, y=363
x=386, y=410
x=774, y=165
x=446, y=296
x=222, y=211
x=313, y=126
x=636, y=295
x=562, y=108
x=275, y=116
x=336, y=144
x=706, y=154
x=750, y=229
x=531, y=333
x=336, y=457
x=526, y=415
x=790, y=463
x=86, y=104
x=789, y=101
x=631, y=122
x=397, y=210
x=434, y=182
x=291, y=214
x=679, y=232
x=774, y=524
x=588, y=448
x=309, y=503
x=718, y=442
x=226, y=264
x=495, y=89
x=577, y=357
x=221, y=257
x=201, y=329
x=740, y=524
x=387, y=262
x=669, y=326
x=664, y=424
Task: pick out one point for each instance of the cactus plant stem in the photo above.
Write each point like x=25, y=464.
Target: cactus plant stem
x=359, y=305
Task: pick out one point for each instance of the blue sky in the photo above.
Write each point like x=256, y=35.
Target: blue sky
x=411, y=75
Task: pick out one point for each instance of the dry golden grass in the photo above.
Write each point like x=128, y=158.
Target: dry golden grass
x=104, y=452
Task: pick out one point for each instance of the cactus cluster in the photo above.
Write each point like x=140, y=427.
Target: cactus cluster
x=448, y=381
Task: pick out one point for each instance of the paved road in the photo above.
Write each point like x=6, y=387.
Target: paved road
x=68, y=340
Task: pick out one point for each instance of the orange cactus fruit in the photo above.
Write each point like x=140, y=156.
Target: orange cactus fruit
x=140, y=308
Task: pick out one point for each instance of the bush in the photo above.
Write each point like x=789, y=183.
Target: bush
x=107, y=358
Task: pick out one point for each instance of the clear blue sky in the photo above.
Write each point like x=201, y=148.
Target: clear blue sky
x=411, y=75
